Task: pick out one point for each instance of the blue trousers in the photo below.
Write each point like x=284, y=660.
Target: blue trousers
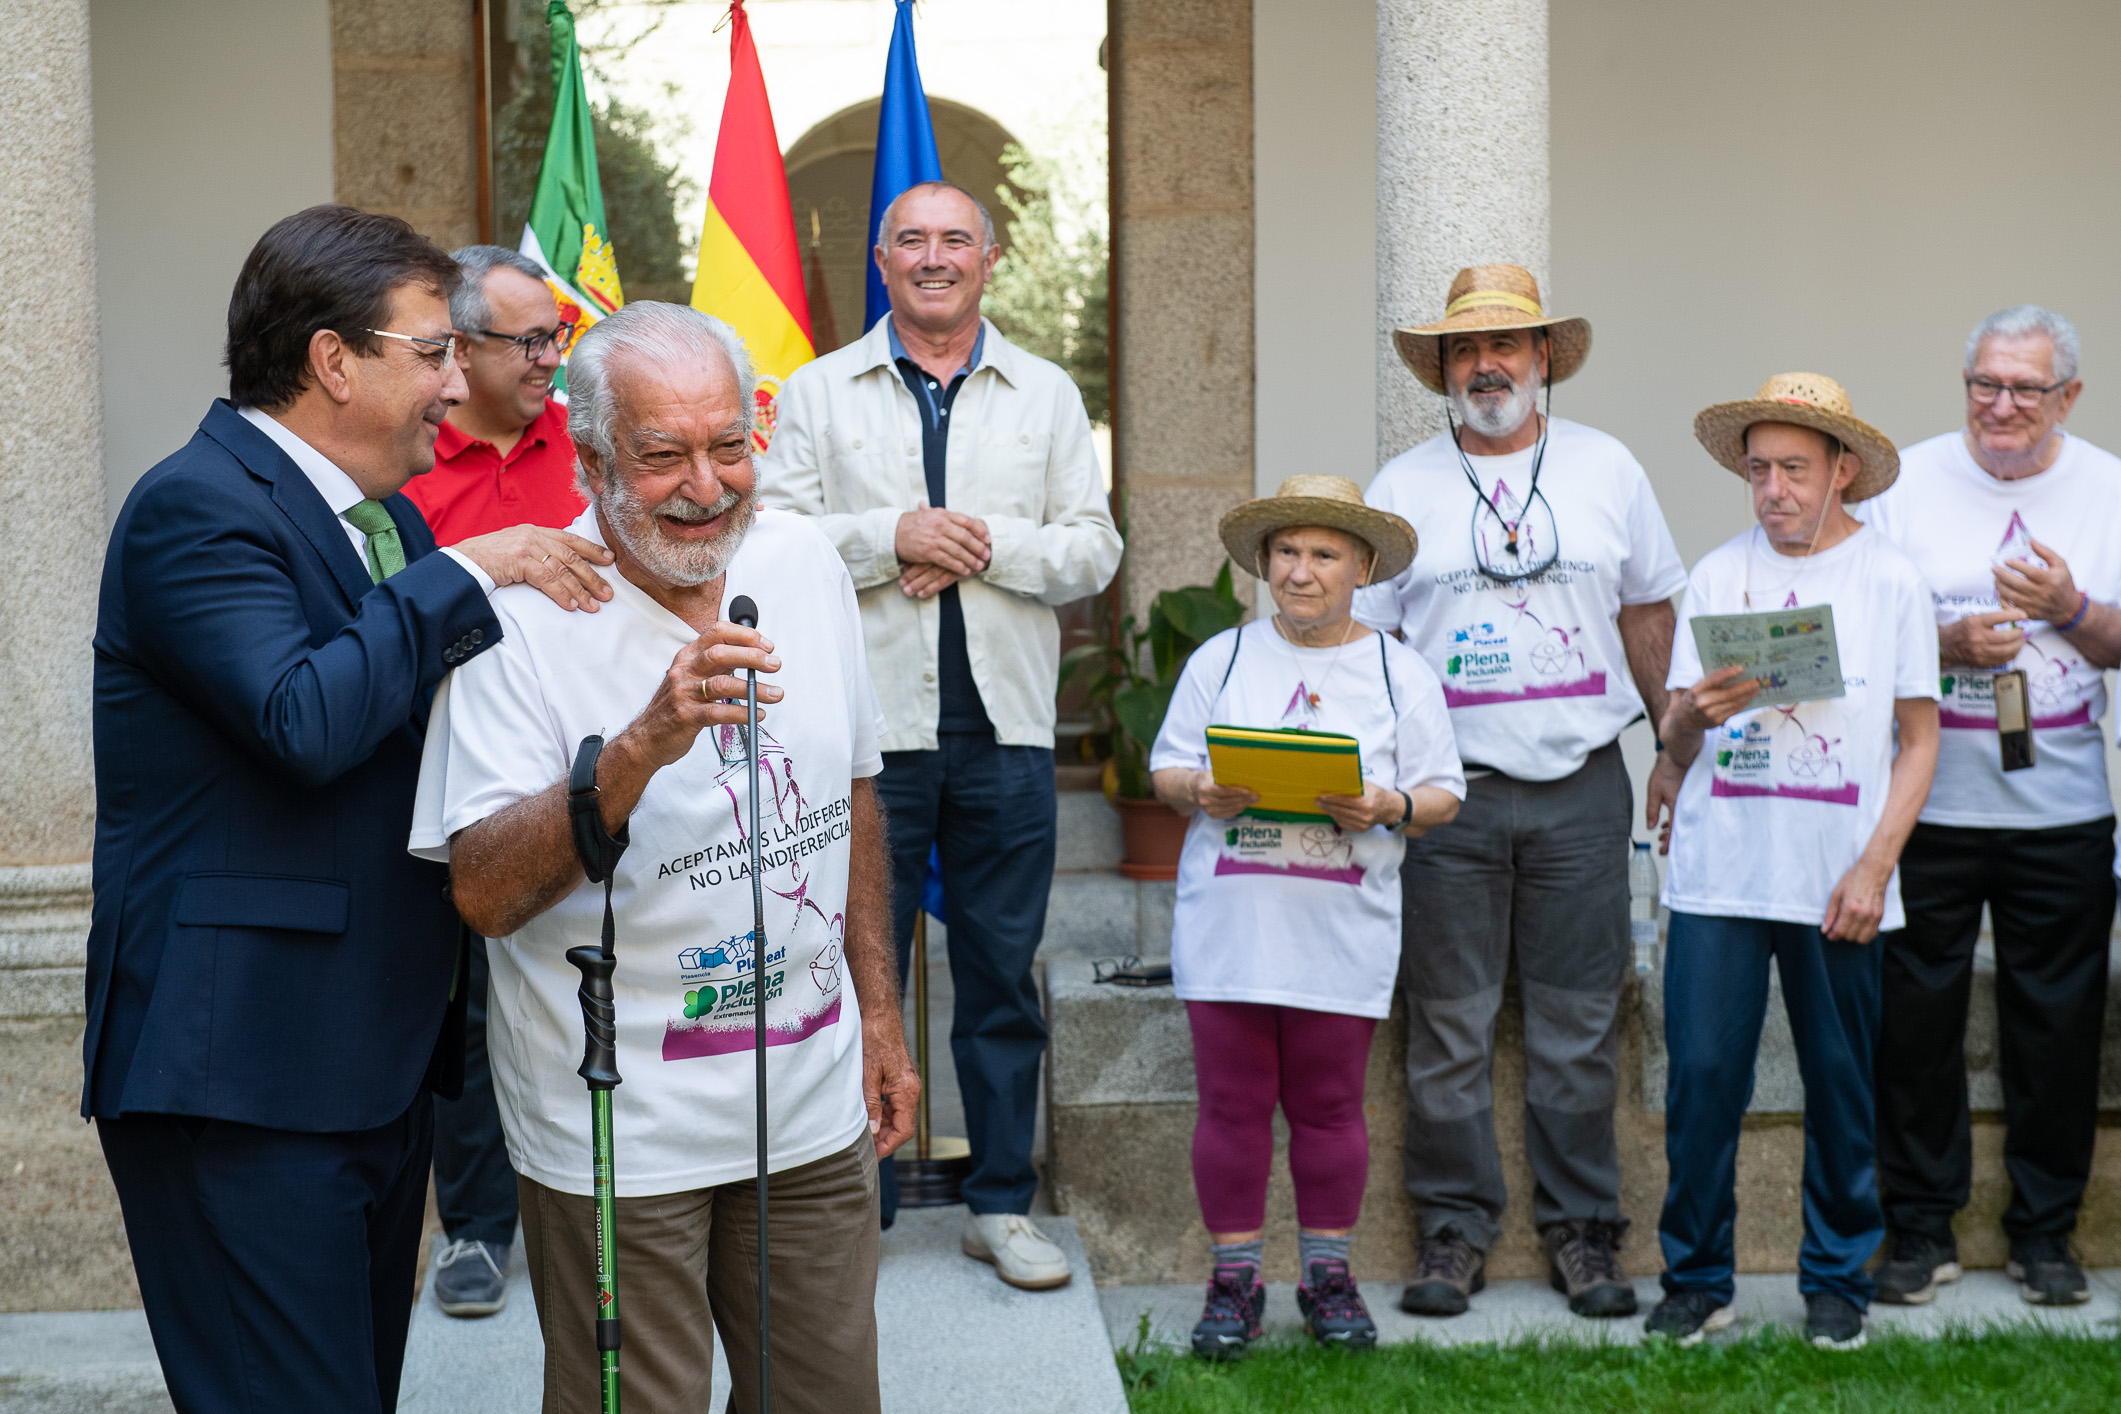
x=1715, y=1000
x=989, y=811
x=276, y=1267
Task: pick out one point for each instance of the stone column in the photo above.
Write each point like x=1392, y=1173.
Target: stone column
x=1461, y=171
x=402, y=114
x=51, y=503
x=1181, y=79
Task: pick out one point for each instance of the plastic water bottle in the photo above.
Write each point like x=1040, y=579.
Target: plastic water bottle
x=1642, y=907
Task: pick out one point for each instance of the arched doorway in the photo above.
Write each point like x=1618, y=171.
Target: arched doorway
x=829, y=172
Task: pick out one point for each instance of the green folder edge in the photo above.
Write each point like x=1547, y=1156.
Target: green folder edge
x=1329, y=743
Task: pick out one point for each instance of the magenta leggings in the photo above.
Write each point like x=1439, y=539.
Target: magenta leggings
x=1247, y=1057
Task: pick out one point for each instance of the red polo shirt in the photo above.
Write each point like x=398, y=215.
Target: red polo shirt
x=474, y=490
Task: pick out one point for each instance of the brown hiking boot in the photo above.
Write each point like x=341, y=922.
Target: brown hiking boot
x=1447, y=1271
x=1583, y=1263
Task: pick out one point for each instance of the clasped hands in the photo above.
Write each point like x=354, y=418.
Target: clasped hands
x=2026, y=591
x=936, y=548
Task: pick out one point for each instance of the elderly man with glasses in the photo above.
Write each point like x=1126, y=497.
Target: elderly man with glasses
x=2011, y=520
x=502, y=457
x=1542, y=599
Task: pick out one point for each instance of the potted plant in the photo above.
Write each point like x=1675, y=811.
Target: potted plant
x=1129, y=704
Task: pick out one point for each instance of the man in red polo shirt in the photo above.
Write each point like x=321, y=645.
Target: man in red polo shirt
x=502, y=458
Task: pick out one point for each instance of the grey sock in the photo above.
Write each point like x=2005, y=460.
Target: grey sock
x=1317, y=1247
x=1251, y=1254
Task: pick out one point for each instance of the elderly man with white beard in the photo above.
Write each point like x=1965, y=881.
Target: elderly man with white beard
x=661, y=419
x=1542, y=598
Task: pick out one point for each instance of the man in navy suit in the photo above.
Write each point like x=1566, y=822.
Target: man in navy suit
x=274, y=985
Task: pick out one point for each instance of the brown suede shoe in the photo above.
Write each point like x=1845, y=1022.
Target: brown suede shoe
x=1447, y=1272
x=1583, y=1263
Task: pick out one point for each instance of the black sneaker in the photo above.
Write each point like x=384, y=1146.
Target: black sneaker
x=2047, y=1273
x=1447, y=1272
x=1583, y=1264
x=468, y=1280
x=1688, y=1317
x=1915, y=1267
x=1832, y=1322
x=1332, y=1307
x=1230, y=1320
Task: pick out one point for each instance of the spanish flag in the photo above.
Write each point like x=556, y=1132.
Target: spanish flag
x=751, y=269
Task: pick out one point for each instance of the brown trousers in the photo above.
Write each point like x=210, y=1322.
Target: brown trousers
x=687, y=1259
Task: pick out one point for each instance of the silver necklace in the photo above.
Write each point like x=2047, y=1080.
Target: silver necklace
x=1312, y=694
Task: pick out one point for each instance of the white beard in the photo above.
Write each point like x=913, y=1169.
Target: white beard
x=678, y=563
x=1497, y=419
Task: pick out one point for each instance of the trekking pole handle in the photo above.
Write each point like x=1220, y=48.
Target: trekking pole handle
x=600, y=1031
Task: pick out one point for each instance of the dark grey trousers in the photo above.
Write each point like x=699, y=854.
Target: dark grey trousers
x=1534, y=871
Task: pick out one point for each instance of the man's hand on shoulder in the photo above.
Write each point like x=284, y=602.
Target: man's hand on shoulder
x=554, y=561
x=948, y=540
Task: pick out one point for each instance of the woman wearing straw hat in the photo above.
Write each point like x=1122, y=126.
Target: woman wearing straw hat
x=1786, y=827
x=1285, y=940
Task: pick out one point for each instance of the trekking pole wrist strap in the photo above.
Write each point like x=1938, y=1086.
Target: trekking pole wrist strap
x=597, y=847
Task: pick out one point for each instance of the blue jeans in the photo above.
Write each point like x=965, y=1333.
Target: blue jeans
x=1715, y=1000
x=989, y=810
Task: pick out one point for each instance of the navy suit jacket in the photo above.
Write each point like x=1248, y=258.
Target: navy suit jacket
x=263, y=948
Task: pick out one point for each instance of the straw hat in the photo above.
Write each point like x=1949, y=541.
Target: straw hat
x=1331, y=501
x=1493, y=297
x=1809, y=400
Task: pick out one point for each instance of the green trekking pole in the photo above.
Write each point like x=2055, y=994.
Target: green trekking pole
x=599, y=851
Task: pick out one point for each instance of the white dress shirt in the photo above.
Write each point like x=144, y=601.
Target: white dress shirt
x=337, y=488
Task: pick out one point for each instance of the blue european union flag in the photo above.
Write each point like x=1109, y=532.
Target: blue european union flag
x=932, y=886
x=905, y=147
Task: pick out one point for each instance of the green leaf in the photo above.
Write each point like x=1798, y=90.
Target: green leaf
x=1199, y=612
x=1140, y=710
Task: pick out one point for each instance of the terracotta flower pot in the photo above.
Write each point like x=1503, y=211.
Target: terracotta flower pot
x=1151, y=835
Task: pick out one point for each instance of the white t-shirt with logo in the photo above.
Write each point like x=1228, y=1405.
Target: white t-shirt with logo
x=1298, y=913
x=506, y=725
x=1957, y=523
x=1782, y=801
x=1533, y=672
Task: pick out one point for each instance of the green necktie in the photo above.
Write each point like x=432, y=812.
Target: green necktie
x=386, y=553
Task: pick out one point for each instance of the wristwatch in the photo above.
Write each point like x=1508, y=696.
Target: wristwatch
x=1408, y=818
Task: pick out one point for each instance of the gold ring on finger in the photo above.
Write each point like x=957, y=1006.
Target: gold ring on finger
x=703, y=691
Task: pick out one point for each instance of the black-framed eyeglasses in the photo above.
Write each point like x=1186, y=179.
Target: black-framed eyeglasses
x=535, y=343
x=1984, y=390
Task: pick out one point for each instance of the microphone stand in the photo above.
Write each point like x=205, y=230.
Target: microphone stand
x=746, y=614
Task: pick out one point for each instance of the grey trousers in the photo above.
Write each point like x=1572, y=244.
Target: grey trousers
x=1534, y=871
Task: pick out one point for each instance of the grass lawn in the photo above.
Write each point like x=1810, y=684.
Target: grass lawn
x=1769, y=1371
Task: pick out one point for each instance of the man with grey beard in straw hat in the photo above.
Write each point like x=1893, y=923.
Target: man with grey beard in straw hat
x=1542, y=599
x=1787, y=821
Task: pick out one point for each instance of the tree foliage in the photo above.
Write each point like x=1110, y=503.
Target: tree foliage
x=1050, y=293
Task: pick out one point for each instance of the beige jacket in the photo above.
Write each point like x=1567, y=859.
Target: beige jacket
x=847, y=449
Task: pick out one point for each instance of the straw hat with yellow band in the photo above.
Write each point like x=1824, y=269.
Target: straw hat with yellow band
x=1331, y=501
x=1493, y=297
x=1809, y=400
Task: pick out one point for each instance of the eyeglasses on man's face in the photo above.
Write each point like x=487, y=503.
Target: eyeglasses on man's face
x=536, y=342
x=445, y=347
x=2025, y=395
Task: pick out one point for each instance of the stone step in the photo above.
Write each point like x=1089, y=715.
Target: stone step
x=1521, y=1311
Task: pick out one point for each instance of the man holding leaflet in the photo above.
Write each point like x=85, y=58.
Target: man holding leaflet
x=1786, y=827
x=2011, y=521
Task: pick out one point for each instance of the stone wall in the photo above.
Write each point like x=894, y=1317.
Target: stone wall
x=1181, y=77
x=403, y=111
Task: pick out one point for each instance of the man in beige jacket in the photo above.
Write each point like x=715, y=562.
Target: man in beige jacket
x=961, y=542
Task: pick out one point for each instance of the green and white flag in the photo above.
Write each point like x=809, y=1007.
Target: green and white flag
x=567, y=231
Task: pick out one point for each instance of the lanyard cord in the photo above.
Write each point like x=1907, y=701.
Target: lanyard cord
x=1539, y=456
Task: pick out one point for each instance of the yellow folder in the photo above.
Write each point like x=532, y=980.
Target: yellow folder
x=1289, y=768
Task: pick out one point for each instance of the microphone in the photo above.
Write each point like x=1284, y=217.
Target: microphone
x=743, y=612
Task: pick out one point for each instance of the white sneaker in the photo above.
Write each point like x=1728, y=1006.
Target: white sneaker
x=1022, y=1255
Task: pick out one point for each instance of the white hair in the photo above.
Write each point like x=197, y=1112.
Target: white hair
x=468, y=310
x=986, y=218
x=664, y=334
x=2024, y=319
